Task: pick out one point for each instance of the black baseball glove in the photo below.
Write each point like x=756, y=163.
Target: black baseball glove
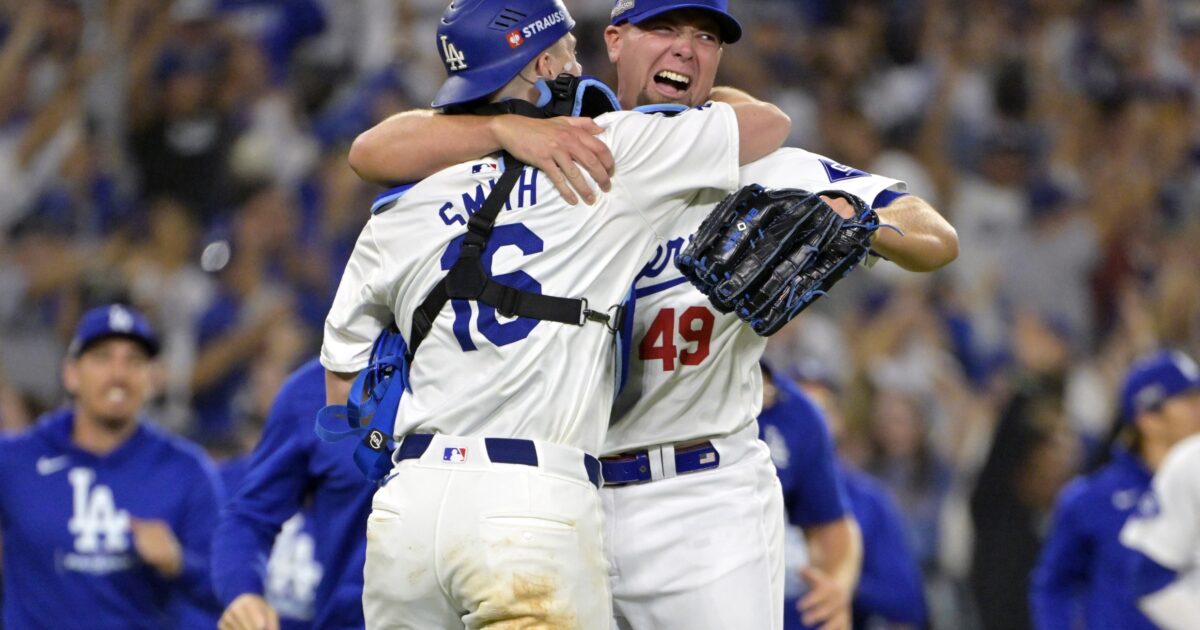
x=766, y=255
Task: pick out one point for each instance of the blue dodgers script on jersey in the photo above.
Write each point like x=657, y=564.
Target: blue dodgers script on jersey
x=663, y=257
x=472, y=201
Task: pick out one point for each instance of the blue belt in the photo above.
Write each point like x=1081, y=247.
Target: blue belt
x=634, y=467
x=499, y=450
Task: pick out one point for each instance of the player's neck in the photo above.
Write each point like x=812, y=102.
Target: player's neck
x=98, y=437
x=1153, y=452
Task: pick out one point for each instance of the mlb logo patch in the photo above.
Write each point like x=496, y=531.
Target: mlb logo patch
x=515, y=39
x=455, y=454
x=488, y=167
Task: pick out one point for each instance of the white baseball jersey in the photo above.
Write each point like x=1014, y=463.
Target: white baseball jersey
x=1167, y=525
x=694, y=371
x=480, y=374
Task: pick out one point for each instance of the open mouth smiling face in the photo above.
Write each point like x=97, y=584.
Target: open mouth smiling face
x=672, y=84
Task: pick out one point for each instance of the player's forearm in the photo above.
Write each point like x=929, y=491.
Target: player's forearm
x=762, y=128
x=413, y=145
x=836, y=549
x=731, y=95
x=928, y=241
x=337, y=387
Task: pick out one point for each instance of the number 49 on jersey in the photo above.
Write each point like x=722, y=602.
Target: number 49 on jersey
x=694, y=326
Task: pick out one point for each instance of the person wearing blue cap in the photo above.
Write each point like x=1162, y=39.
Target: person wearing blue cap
x=106, y=520
x=1082, y=577
x=1164, y=533
x=492, y=514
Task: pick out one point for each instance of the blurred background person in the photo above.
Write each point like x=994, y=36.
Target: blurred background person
x=106, y=520
x=1083, y=576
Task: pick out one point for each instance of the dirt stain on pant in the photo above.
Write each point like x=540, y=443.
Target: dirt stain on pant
x=533, y=603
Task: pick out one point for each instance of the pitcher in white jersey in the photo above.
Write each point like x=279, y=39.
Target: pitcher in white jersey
x=693, y=510
x=1162, y=394
x=492, y=514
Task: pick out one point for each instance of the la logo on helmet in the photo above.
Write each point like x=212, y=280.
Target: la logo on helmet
x=455, y=60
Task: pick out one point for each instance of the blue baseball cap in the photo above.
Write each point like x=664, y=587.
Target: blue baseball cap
x=112, y=320
x=1154, y=379
x=637, y=11
x=485, y=43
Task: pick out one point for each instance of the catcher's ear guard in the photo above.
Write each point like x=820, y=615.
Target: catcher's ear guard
x=370, y=411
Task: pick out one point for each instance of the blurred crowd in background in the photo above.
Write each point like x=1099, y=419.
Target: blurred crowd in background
x=190, y=157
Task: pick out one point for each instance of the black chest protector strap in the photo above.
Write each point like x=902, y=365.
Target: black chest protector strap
x=467, y=279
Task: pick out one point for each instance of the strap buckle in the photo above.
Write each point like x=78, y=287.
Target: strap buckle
x=584, y=311
x=610, y=317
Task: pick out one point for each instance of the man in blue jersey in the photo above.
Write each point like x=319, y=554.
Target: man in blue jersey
x=105, y=519
x=1083, y=575
x=797, y=425
x=291, y=470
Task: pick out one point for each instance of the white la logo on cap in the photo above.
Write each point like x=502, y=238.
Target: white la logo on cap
x=453, y=56
x=120, y=319
x=622, y=6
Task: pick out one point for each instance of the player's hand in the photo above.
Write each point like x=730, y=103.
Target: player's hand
x=840, y=206
x=559, y=147
x=157, y=546
x=249, y=612
x=826, y=606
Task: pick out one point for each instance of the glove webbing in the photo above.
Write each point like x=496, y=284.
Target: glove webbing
x=467, y=280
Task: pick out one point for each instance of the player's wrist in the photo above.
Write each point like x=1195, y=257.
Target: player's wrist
x=496, y=128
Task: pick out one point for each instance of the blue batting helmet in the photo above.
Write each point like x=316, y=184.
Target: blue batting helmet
x=485, y=43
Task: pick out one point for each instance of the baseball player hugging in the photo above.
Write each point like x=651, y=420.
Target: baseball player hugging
x=492, y=513
x=692, y=507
